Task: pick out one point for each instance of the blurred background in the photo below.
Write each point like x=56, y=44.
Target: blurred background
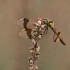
x=14, y=50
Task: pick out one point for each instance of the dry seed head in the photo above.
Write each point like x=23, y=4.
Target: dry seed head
x=31, y=48
x=37, y=53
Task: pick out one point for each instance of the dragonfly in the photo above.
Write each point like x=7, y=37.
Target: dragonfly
x=28, y=28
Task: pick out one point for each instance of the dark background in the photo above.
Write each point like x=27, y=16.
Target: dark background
x=14, y=50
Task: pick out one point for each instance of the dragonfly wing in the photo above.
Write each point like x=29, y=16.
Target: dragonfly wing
x=30, y=23
x=20, y=22
x=23, y=34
